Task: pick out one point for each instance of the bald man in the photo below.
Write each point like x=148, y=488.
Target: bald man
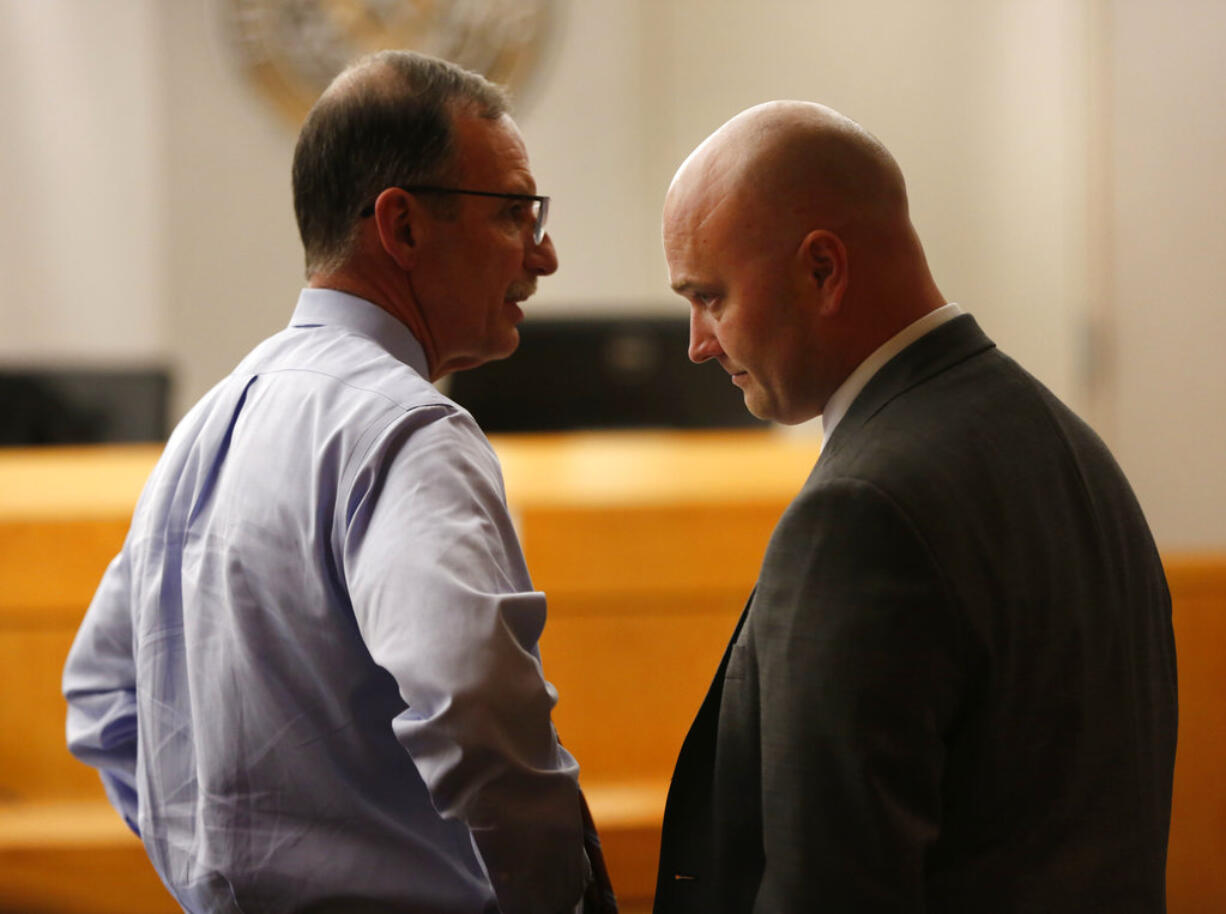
x=953, y=688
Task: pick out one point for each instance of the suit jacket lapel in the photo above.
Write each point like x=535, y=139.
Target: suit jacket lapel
x=685, y=855
x=947, y=345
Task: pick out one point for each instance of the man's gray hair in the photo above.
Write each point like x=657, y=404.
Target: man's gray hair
x=385, y=121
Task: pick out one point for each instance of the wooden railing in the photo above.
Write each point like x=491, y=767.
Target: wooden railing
x=647, y=545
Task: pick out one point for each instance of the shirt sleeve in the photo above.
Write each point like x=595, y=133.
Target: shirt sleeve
x=100, y=686
x=859, y=660
x=442, y=597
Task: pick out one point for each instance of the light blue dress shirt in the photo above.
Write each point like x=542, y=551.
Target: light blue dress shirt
x=311, y=674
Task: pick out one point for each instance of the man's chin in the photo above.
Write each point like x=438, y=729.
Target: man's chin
x=510, y=343
x=504, y=348
x=493, y=353
x=757, y=406
x=773, y=412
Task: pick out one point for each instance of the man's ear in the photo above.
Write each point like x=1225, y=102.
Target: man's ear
x=396, y=217
x=824, y=259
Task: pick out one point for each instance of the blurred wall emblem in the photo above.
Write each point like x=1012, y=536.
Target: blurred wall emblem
x=291, y=49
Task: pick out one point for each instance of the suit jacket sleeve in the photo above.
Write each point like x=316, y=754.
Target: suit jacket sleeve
x=859, y=668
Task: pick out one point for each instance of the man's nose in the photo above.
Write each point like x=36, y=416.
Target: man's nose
x=541, y=259
x=703, y=344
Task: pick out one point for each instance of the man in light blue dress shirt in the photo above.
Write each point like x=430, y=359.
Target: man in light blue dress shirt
x=310, y=679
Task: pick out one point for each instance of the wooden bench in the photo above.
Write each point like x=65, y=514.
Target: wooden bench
x=647, y=545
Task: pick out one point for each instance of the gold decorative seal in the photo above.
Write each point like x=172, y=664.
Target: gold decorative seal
x=291, y=49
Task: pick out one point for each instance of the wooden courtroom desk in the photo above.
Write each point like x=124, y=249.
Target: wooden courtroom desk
x=647, y=545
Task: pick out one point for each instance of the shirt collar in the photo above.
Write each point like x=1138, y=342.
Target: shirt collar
x=845, y=395
x=330, y=308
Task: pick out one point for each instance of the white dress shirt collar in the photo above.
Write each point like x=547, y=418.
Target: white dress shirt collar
x=840, y=401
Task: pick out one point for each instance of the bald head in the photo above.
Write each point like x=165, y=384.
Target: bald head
x=793, y=164
x=790, y=222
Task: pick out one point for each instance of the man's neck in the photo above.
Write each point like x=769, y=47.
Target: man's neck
x=842, y=398
x=397, y=304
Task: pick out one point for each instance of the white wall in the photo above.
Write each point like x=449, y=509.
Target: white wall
x=1169, y=257
x=589, y=138
x=980, y=102
x=233, y=256
x=82, y=259
x=1063, y=158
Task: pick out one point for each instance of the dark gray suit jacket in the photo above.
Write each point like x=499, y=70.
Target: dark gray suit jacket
x=954, y=686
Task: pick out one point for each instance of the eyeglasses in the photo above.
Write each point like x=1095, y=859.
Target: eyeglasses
x=540, y=204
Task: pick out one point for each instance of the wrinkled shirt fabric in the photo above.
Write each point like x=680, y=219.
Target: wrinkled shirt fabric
x=310, y=679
